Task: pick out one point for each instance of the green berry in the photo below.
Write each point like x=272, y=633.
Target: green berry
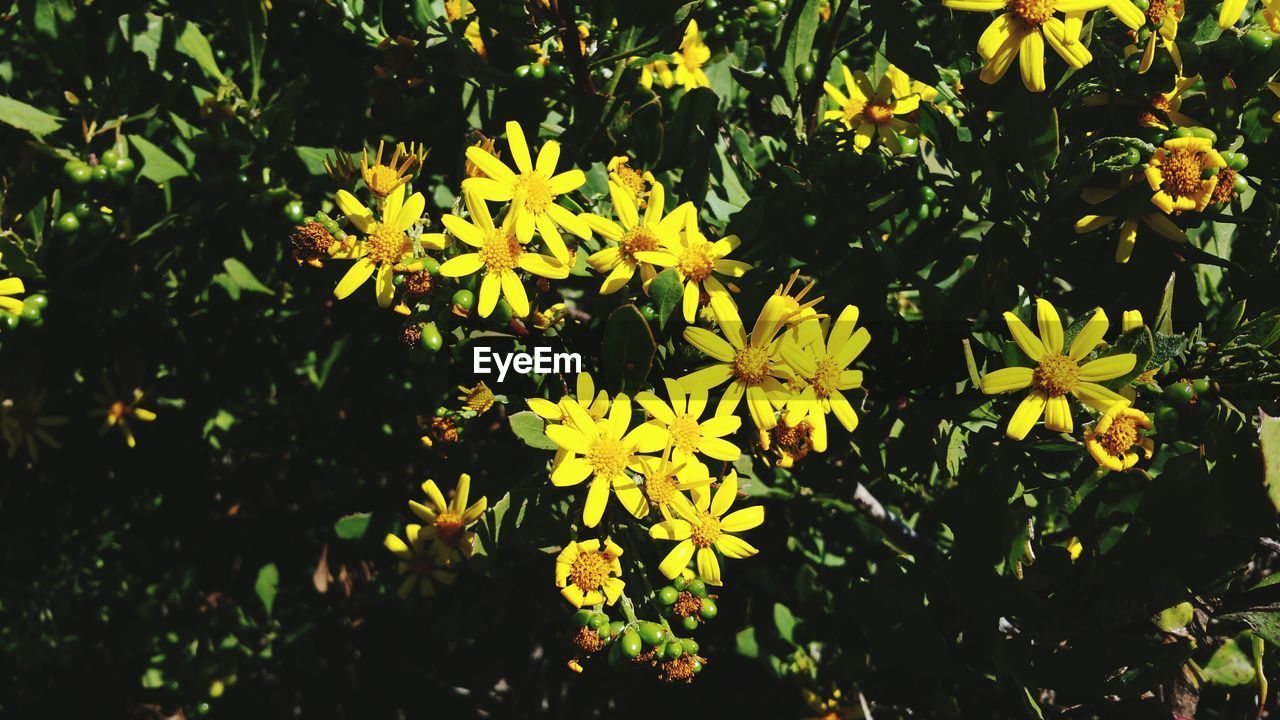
x=78, y=171
x=431, y=338
x=649, y=312
x=100, y=174
x=1240, y=184
x=522, y=71
x=69, y=223
x=581, y=618
x=464, y=300
x=767, y=9
x=30, y=312
x=926, y=195
x=809, y=221
x=689, y=623
x=709, y=609
x=651, y=633
x=1142, y=4
x=668, y=595
x=124, y=167
x=673, y=650
x=294, y=212
x=1238, y=161
x=8, y=320
x=615, y=628
x=806, y=72
x=1166, y=419
x=502, y=313
x=1181, y=132
x=1201, y=386
x=110, y=157
x=1204, y=132
x=908, y=145
x=38, y=300
x=597, y=621
x=1257, y=41
x=1178, y=393
x=690, y=646
x=698, y=587
x=630, y=643
x=679, y=583
x=537, y=71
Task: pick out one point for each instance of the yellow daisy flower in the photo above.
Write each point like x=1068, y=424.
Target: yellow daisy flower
x=1169, y=105
x=639, y=241
x=588, y=573
x=595, y=403
x=658, y=70
x=1113, y=438
x=636, y=183
x=688, y=435
x=607, y=449
x=1024, y=27
x=696, y=258
x=499, y=254
x=449, y=521
x=789, y=443
x=119, y=412
x=384, y=244
x=664, y=480
x=703, y=525
x=1165, y=16
x=1057, y=374
x=478, y=398
x=1157, y=221
x=382, y=179
x=1176, y=174
x=824, y=366
x=871, y=110
x=751, y=365
x=532, y=190
x=9, y=287
x=423, y=562
x=690, y=58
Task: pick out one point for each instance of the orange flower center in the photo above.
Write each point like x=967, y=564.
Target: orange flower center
x=1032, y=12
x=1120, y=437
x=685, y=433
x=659, y=488
x=826, y=379
x=117, y=411
x=608, y=458
x=878, y=113
x=537, y=192
x=696, y=262
x=1158, y=11
x=1182, y=170
x=590, y=570
x=1055, y=375
x=501, y=252
x=687, y=604
x=751, y=365
x=638, y=239
x=706, y=530
x=385, y=245
x=632, y=181
x=479, y=398
x=448, y=525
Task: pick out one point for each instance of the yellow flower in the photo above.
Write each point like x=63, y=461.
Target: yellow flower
x=870, y=110
x=1113, y=438
x=385, y=243
x=552, y=316
x=657, y=70
x=635, y=183
x=500, y=254
x=1231, y=10
x=1165, y=16
x=473, y=36
x=1024, y=27
x=1176, y=174
x=1169, y=104
x=639, y=241
x=1056, y=374
x=790, y=443
x=703, y=525
x=532, y=190
x=422, y=561
x=824, y=366
x=449, y=521
x=664, y=480
x=118, y=414
x=695, y=258
x=1157, y=221
x=751, y=365
x=686, y=432
x=607, y=449
x=478, y=399
x=9, y=287
x=596, y=405
x=589, y=574
x=1130, y=319
x=382, y=179
x=690, y=58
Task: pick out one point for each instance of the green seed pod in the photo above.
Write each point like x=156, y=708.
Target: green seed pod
x=1201, y=386
x=69, y=223
x=1204, y=132
x=464, y=300
x=30, y=312
x=668, y=595
x=1166, y=419
x=597, y=621
x=1178, y=393
x=698, y=587
x=8, y=320
x=431, y=338
x=673, y=650
x=1238, y=161
x=615, y=628
x=581, y=618
x=78, y=172
x=709, y=609
x=38, y=299
x=630, y=643
x=690, y=646
x=689, y=622
x=679, y=583
x=651, y=633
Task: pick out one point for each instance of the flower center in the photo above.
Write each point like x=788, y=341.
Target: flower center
x=631, y=180
x=117, y=411
x=686, y=604
x=696, y=263
x=479, y=398
x=878, y=113
x=751, y=364
x=448, y=525
x=638, y=239
x=501, y=252
x=590, y=570
x=608, y=458
x=382, y=180
x=537, y=192
x=1225, y=190
x=659, y=488
x=706, y=530
x=1056, y=375
x=1181, y=171
x=685, y=433
x=1158, y=11
x=418, y=284
x=1160, y=102
x=1120, y=437
x=1032, y=12
x=385, y=244
x=826, y=379
x=588, y=640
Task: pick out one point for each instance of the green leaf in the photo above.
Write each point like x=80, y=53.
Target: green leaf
x=784, y=621
x=746, y=644
x=1230, y=664
x=25, y=117
x=1176, y=617
x=144, y=32
x=352, y=527
x=795, y=38
x=1269, y=439
x=1137, y=341
x=312, y=157
x=193, y=44
x=266, y=586
x=666, y=293
x=531, y=429
x=628, y=352
x=157, y=165
x=1164, y=318
x=243, y=277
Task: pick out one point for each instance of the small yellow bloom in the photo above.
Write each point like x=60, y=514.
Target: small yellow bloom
x=552, y=316
x=789, y=443
x=603, y=451
x=473, y=36
x=639, y=242
x=449, y=521
x=1169, y=105
x=595, y=403
x=588, y=572
x=1164, y=16
x=382, y=179
x=750, y=364
x=9, y=287
x=1057, y=374
x=696, y=259
x=384, y=245
x=690, y=58
x=703, y=525
x=478, y=399
x=637, y=184
x=1176, y=174
x=658, y=70
x=1113, y=438
x=531, y=189
x=1157, y=221
x=499, y=254
x=688, y=434
x=871, y=110
x=1130, y=319
x=664, y=480
x=119, y=412
x=422, y=561
x=823, y=366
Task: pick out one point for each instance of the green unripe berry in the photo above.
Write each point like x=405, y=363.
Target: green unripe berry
x=78, y=171
x=1166, y=419
x=581, y=618
x=708, y=609
x=698, y=587
x=431, y=337
x=679, y=583
x=69, y=223
x=630, y=643
x=522, y=71
x=690, y=646
x=668, y=595
x=464, y=300
x=38, y=300
x=689, y=623
x=651, y=633
x=806, y=72
x=809, y=221
x=100, y=174
x=597, y=621
x=1178, y=393
x=537, y=71
x=1201, y=386
x=1257, y=41
x=673, y=650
